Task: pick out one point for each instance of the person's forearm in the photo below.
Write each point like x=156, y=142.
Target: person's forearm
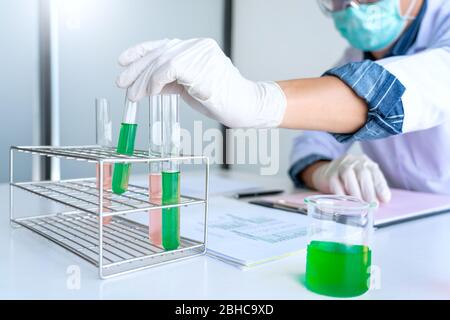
x=307, y=173
x=325, y=104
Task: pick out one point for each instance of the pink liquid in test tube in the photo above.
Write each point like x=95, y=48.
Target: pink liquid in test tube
x=155, y=218
x=107, y=179
x=103, y=137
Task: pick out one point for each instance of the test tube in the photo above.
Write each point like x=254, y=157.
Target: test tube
x=171, y=171
x=125, y=146
x=154, y=182
x=103, y=137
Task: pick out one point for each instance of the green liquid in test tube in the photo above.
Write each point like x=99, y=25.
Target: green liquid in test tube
x=125, y=146
x=171, y=216
x=171, y=172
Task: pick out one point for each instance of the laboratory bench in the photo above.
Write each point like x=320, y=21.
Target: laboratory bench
x=412, y=261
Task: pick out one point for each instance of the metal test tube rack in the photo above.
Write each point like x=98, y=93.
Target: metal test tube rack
x=121, y=246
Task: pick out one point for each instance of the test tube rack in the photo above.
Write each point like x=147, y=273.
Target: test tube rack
x=120, y=247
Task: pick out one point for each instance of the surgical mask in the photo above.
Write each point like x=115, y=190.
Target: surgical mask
x=372, y=26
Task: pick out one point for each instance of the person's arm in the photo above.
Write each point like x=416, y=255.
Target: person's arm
x=310, y=147
x=393, y=90
x=353, y=102
x=320, y=162
x=325, y=104
x=307, y=174
x=356, y=101
x=426, y=78
x=211, y=84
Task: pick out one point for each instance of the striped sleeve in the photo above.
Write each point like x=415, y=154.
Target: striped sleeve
x=382, y=92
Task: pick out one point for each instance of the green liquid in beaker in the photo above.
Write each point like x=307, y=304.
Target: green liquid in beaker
x=171, y=216
x=124, y=146
x=337, y=269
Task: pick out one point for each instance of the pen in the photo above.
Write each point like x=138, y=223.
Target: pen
x=280, y=205
x=258, y=193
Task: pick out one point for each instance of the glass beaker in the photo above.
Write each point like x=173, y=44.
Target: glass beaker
x=338, y=257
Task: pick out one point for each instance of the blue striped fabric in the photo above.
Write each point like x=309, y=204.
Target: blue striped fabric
x=383, y=93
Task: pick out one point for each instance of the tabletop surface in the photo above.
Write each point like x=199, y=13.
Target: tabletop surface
x=412, y=261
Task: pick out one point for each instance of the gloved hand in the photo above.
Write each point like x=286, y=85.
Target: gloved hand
x=199, y=71
x=353, y=175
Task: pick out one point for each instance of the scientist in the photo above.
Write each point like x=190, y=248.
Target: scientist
x=391, y=92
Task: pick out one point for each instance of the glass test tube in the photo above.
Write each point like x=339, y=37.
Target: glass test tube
x=154, y=182
x=103, y=137
x=125, y=146
x=171, y=171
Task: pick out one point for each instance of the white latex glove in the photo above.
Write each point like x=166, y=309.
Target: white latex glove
x=199, y=71
x=353, y=175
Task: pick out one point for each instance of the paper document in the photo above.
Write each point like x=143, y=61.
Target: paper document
x=247, y=235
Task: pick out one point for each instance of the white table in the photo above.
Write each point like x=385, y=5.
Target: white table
x=413, y=260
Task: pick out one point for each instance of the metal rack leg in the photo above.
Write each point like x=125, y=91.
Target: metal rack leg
x=100, y=220
x=11, y=189
x=205, y=235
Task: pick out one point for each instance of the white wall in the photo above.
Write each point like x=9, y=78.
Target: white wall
x=18, y=84
x=283, y=39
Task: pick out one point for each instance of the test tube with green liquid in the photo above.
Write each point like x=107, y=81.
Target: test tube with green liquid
x=125, y=146
x=171, y=171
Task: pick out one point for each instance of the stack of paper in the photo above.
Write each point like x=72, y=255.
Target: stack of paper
x=247, y=235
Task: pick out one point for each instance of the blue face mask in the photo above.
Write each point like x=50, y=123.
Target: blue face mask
x=371, y=27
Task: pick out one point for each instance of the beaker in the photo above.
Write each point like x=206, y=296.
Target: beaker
x=338, y=257
x=103, y=138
